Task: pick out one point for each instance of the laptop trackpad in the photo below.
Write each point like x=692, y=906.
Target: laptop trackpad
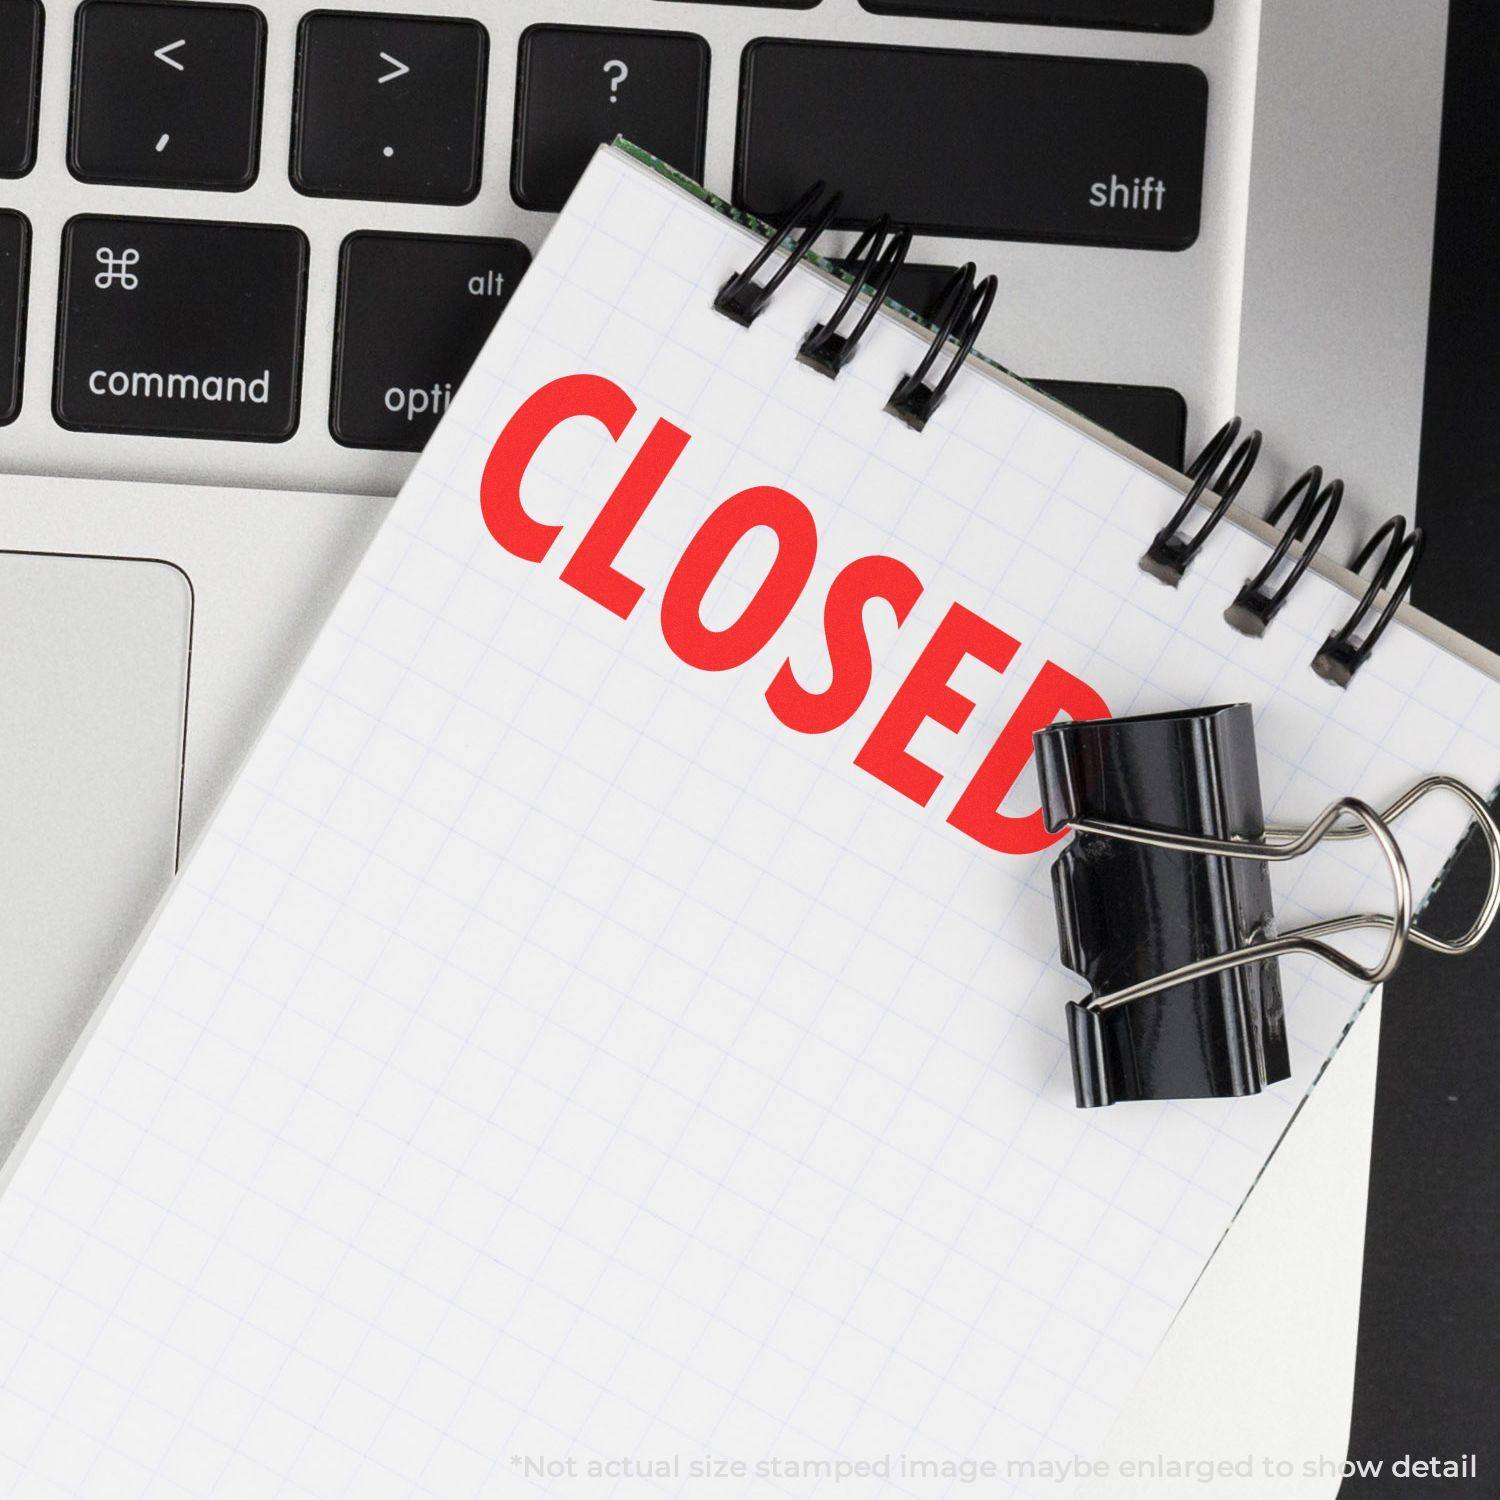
x=93, y=679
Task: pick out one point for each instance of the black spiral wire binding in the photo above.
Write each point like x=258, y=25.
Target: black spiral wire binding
x=1317, y=506
x=741, y=298
x=1169, y=555
x=878, y=254
x=961, y=313
x=1345, y=651
x=1256, y=604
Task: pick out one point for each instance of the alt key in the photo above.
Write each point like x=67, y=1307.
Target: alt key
x=413, y=311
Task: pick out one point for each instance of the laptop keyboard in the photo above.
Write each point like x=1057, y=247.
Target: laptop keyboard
x=196, y=327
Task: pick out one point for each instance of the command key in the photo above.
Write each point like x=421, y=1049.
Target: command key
x=180, y=327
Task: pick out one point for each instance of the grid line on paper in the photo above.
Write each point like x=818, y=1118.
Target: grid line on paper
x=712, y=1175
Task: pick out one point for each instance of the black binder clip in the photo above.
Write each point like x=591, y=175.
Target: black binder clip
x=1164, y=901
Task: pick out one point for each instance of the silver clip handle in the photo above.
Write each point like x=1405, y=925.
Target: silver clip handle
x=1307, y=939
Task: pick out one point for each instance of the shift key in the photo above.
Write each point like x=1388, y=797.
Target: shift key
x=1086, y=151
x=180, y=328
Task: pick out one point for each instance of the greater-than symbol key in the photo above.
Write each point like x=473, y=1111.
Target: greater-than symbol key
x=357, y=134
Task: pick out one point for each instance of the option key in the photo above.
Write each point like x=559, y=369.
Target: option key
x=414, y=310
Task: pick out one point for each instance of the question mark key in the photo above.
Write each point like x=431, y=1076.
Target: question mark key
x=581, y=86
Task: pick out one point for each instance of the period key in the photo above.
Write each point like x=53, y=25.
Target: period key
x=389, y=106
x=413, y=311
x=180, y=327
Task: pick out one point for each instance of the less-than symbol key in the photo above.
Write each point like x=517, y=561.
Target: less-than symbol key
x=150, y=77
x=164, y=54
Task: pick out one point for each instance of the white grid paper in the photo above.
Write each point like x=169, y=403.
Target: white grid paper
x=547, y=1053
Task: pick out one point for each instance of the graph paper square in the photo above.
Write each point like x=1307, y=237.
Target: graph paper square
x=549, y=1059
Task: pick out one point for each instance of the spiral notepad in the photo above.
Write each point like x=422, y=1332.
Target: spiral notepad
x=615, y=1018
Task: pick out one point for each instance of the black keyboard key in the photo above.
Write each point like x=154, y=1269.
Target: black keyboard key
x=414, y=310
x=20, y=83
x=389, y=107
x=991, y=144
x=15, y=243
x=1123, y=15
x=1152, y=418
x=916, y=286
x=580, y=85
x=167, y=95
x=920, y=287
x=179, y=327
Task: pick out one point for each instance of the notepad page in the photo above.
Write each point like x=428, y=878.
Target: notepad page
x=553, y=1075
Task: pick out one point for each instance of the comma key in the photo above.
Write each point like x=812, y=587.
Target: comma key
x=167, y=95
x=414, y=310
x=180, y=328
